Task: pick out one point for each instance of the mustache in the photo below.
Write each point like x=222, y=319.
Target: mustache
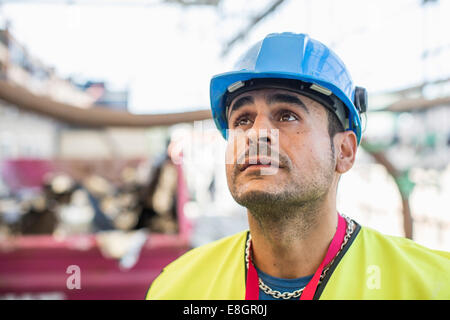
x=274, y=156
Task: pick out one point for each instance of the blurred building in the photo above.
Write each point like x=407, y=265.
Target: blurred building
x=103, y=96
x=25, y=134
x=20, y=67
x=409, y=131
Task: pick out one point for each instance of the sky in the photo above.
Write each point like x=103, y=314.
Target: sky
x=166, y=54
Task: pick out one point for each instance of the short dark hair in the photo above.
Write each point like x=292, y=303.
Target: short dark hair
x=334, y=126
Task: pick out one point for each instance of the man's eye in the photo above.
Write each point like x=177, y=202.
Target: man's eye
x=287, y=116
x=242, y=121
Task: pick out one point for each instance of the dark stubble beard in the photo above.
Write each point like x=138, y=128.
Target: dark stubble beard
x=293, y=204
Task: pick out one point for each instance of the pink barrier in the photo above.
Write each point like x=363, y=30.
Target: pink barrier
x=20, y=173
x=37, y=265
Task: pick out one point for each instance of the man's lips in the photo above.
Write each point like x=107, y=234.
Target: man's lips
x=259, y=162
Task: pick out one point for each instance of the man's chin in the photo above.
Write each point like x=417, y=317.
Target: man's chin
x=257, y=197
x=264, y=184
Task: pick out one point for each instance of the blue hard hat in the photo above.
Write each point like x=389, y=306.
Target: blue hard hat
x=289, y=60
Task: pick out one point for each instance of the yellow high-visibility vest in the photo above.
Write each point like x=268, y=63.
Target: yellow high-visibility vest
x=371, y=266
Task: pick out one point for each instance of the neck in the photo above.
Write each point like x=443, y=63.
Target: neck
x=292, y=247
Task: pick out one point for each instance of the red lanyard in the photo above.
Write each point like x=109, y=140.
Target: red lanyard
x=252, y=285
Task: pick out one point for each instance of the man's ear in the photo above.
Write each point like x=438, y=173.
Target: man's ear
x=345, y=146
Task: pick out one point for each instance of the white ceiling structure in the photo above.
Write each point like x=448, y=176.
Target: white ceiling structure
x=165, y=52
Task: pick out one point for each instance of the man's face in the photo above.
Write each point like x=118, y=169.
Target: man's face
x=294, y=129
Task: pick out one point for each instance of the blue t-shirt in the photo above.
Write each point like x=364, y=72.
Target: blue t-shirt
x=280, y=284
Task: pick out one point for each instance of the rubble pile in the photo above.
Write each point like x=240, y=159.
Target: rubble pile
x=67, y=205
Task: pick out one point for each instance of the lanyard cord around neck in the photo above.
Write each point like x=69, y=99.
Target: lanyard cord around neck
x=252, y=284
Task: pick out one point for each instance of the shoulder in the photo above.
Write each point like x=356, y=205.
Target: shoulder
x=394, y=247
x=379, y=266
x=199, y=269
x=209, y=252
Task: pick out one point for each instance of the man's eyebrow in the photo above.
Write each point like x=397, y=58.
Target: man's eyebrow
x=240, y=103
x=286, y=98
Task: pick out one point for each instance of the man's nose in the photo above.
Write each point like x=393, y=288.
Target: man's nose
x=261, y=131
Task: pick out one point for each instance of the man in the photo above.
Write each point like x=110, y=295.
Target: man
x=292, y=97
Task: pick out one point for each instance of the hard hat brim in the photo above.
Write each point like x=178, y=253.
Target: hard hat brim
x=220, y=83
